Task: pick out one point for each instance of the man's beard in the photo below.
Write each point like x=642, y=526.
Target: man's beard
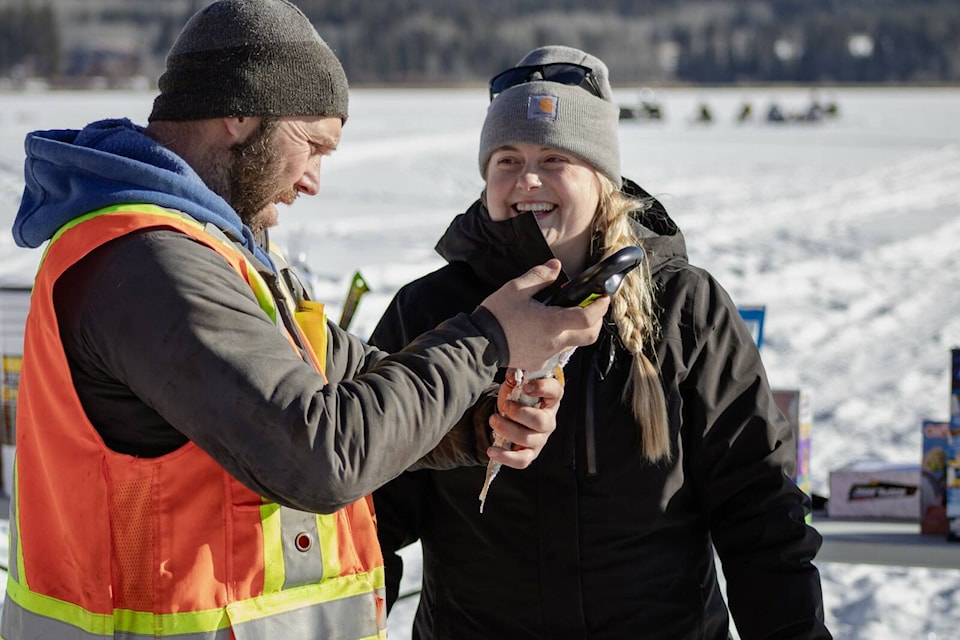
x=247, y=175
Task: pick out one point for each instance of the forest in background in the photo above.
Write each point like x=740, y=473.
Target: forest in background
x=444, y=42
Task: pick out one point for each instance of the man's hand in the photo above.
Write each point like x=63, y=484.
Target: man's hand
x=528, y=428
x=536, y=332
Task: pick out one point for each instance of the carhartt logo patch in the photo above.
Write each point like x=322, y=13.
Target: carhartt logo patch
x=542, y=107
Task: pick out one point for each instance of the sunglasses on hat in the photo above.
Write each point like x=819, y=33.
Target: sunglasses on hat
x=575, y=75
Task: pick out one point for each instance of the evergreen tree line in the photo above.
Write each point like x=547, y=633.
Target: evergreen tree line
x=642, y=41
x=29, y=38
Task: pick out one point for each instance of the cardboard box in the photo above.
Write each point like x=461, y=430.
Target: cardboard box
x=933, y=477
x=953, y=491
x=955, y=391
x=953, y=458
x=794, y=404
x=875, y=490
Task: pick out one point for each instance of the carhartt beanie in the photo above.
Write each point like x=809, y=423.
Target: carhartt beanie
x=250, y=58
x=556, y=115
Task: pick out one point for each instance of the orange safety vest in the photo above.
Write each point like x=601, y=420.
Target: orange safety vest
x=106, y=545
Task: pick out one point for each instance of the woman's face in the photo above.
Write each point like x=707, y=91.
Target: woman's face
x=559, y=189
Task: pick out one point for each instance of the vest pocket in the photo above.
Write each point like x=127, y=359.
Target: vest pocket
x=312, y=320
x=133, y=543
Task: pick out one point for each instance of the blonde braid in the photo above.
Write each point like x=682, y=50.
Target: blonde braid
x=635, y=317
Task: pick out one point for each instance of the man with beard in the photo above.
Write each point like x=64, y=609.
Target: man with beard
x=196, y=445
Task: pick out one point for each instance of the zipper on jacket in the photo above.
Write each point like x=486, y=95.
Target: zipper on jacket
x=596, y=369
x=589, y=423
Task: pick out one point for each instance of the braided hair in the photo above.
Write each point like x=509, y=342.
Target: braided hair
x=634, y=315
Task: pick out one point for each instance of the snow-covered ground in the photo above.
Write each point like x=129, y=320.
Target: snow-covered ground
x=846, y=230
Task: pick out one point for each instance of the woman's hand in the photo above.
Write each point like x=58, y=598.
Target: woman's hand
x=527, y=428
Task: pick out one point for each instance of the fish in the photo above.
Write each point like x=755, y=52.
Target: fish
x=553, y=369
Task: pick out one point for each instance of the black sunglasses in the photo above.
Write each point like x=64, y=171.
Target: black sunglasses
x=575, y=75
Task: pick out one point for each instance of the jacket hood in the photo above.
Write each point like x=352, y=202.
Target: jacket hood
x=72, y=172
x=500, y=251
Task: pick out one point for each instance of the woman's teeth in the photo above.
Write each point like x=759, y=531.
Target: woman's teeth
x=537, y=207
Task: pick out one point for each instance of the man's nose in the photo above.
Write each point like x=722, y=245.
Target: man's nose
x=309, y=182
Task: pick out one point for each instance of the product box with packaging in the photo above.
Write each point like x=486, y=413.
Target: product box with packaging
x=953, y=456
x=794, y=404
x=933, y=477
x=953, y=491
x=955, y=390
x=875, y=490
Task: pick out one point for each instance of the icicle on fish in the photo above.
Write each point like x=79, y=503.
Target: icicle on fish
x=554, y=369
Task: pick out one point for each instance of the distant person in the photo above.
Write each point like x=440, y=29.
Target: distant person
x=822, y=109
x=774, y=114
x=668, y=443
x=650, y=105
x=832, y=109
x=746, y=113
x=815, y=111
x=652, y=110
x=704, y=115
x=196, y=445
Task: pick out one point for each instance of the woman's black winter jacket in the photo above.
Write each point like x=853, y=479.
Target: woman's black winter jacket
x=592, y=541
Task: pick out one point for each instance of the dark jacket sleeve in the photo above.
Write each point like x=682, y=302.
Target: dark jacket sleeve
x=743, y=473
x=407, y=317
x=401, y=503
x=169, y=320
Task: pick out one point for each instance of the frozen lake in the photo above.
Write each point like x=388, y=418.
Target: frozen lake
x=846, y=230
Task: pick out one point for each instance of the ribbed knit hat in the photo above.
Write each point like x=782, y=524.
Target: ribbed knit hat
x=250, y=58
x=556, y=115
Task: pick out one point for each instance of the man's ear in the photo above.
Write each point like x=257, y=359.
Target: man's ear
x=238, y=129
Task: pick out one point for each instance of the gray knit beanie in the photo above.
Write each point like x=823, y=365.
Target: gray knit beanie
x=556, y=115
x=250, y=58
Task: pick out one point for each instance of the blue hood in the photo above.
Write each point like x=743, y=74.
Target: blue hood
x=69, y=173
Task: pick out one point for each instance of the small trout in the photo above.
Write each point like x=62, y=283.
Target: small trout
x=554, y=369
